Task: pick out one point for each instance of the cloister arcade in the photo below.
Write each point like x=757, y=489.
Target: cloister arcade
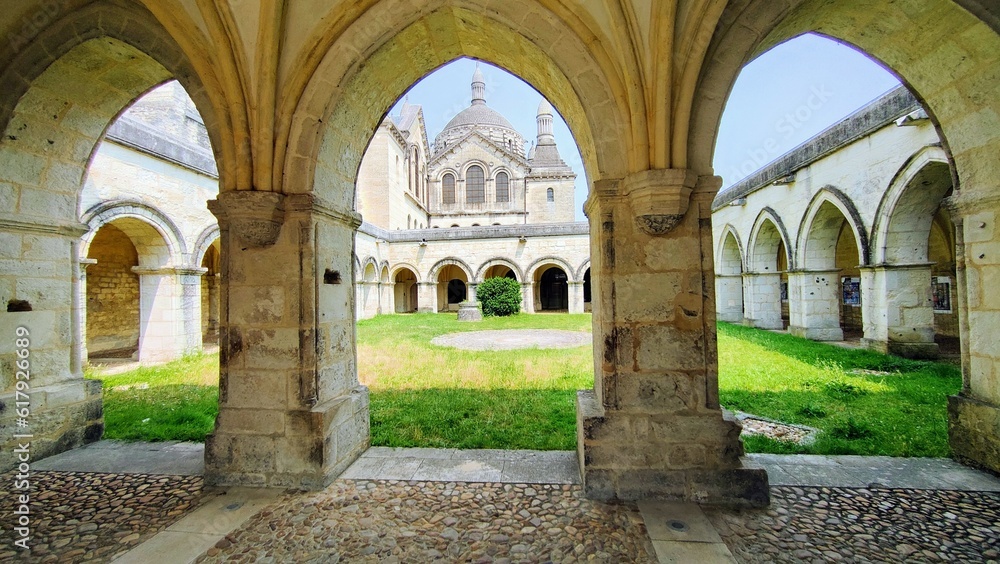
x=291, y=92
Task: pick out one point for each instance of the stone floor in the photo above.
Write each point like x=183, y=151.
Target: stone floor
x=418, y=505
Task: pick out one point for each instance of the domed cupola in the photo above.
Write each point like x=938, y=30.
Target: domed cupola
x=478, y=116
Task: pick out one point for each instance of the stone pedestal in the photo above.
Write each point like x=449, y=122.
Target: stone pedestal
x=729, y=289
x=470, y=311
x=291, y=411
x=974, y=431
x=814, y=304
x=763, y=299
x=653, y=427
x=899, y=310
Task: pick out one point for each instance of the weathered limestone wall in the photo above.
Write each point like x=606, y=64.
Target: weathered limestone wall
x=112, y=293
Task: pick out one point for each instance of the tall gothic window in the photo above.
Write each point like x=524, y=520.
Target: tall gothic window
x=448, y=189
x=503, y=187
x=475, y=185
x=550, y=195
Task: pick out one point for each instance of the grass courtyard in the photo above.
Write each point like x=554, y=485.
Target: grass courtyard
x=424, y=395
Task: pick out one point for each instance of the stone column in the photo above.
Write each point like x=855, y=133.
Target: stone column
x=162, y=335
x=190, y=295
x=43, y=317
x=427, y=297
x=575, y=297
x=763, y=299
x=898, y=310
x=390, y=297
x=213, y=305
x=369, y=296
x=814, y=304
x=291, y=411
x=528, y=297
x=653, y=427
x=974, y=413
x=472, y=293
x=80, y=356
x=729, y=289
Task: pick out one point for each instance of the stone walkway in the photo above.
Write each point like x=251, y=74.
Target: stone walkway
x=509, y=339
x=417, y=505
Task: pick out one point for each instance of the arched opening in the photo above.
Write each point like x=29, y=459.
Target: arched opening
x=729, y=280
x=499, y=271
x=767, y=278
x=112, y=296
x=405, y=291
x=368, y=306
x=553, y=288
x=210, y=285
x=587, y=298
x=452, y=287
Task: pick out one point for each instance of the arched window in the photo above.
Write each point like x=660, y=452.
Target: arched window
x=409, y=222
x=475, y=185
x=448, y=189
x=550, y=195
x=503, y=187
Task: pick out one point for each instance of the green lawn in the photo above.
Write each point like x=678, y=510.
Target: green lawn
x=426, y=395
x=864, y=402
x=430, y=396
x=175, y=401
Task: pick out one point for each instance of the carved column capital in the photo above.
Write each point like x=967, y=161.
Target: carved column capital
x=255, y=218
x=659, y=198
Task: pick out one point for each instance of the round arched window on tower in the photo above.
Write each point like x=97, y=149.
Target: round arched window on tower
x=503, y=188
x=550, y=195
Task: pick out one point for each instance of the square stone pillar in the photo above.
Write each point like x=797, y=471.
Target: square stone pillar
x=575, y=297
x=291, y=411
x=974, y=413
x=472, y=293
x=427, y=297
x=763, y=299
x=213, y=306
x=165, y=312
x=898, y=310
x=43, y=324
x=729, y=292
x=814, y=304
x=653, y=427
x=528, y=297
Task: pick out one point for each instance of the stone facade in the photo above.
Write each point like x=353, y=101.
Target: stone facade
x=291, y=93
x=860, y=209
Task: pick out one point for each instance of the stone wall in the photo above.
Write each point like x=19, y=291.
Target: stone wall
x=112, y=294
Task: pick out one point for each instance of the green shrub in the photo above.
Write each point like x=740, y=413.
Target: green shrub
x=500, y=296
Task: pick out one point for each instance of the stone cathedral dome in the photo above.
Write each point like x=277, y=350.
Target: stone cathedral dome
x=479, y=116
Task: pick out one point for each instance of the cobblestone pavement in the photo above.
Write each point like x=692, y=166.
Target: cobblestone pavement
x=396, y=521
x=815, y=524
x=93, y=517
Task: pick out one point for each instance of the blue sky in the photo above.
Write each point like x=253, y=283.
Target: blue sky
x=781, y=99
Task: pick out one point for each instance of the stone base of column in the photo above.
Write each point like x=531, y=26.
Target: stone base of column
x=62, y=417
x=974, y=432
x=629, y=456
x=817, y=333
x=298, y=449
x=764, y=323
x=923, y=351
x=730, y=316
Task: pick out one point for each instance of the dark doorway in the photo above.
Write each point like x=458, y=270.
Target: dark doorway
x=554, y=290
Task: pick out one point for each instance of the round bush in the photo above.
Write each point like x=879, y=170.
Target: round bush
x=499, y=296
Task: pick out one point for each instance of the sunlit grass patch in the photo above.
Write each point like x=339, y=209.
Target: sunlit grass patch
x=863, y=402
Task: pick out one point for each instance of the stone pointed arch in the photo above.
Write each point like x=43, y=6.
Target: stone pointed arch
x=432, y=274
x=831, y=196
x=327, y=135
x=369, y=270
x=763, y=243
x=582, y=270
x=165, y=248
x=499, y=261
x=550, y=260
x=897, y=239
x=730, y=259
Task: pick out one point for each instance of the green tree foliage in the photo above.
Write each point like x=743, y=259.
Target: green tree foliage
x=500, y=296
